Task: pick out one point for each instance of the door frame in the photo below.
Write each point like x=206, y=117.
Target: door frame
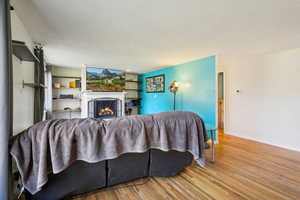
x=218, y=70
x=223, y=84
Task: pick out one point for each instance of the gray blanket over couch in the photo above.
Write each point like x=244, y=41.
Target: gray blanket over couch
x=53, y=145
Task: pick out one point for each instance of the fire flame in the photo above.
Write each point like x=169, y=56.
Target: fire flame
x=106, y=111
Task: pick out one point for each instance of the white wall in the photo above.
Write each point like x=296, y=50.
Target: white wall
x=268, y=106
x=23, y=97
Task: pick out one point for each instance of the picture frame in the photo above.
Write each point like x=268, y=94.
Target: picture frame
x=155, y=84
x=104, y=79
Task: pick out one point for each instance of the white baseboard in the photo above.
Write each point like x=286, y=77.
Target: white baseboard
x=262, y=141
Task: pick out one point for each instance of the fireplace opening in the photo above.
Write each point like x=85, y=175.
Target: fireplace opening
x=106, y=111
x=105, y=108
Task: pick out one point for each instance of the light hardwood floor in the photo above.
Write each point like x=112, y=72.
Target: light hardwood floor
x=243, y=169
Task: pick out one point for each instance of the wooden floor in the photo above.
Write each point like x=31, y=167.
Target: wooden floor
x=244, y=169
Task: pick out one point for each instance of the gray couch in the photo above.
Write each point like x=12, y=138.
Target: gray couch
x=82, y=177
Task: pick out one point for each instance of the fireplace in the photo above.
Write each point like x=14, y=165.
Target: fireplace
x=105, y=108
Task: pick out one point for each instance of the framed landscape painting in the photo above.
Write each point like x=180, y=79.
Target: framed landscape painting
x=105, y=80
x=155, y=83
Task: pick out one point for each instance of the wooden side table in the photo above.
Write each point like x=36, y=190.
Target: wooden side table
x=212, y=131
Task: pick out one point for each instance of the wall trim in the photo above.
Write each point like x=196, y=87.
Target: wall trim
x=262, y=141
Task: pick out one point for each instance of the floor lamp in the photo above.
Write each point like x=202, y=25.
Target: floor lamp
x=174, y=88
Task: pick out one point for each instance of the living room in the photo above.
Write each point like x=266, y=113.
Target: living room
x=111, y=87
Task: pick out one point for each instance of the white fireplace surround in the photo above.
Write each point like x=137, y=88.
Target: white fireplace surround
x=89, y=95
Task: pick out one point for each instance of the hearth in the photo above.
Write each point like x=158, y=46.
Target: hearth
x=105, y=108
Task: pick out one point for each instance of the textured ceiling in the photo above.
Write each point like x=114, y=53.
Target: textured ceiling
x=143, y=35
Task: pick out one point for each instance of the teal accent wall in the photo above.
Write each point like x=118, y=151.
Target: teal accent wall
x=197, y=92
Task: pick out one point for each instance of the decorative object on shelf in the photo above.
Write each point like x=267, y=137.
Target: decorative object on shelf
x=105, y=80
x=72, y=84
x=66, y=96
x=174, y=86
x=155, y=83
x=136, y=102
x=128, y=111
x=77, y=83
x=130, y=104
x=57, y=85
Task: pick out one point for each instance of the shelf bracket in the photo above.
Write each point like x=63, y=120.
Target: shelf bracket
x=32, y=85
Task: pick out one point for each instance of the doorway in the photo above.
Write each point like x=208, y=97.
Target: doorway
x=221, y=102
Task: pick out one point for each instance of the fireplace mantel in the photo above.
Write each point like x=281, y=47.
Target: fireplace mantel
x=89, y=95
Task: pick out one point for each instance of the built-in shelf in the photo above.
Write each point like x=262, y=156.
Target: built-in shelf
x=66, y=88
x=132, y=90
x=21, y=51
x=132, y=94
x=33, y=85
x=67, y=99
x=131, y=81
x=67, y=111
x=133, y=98
x=59, y=102
x=133, y=106
x=67, y=77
